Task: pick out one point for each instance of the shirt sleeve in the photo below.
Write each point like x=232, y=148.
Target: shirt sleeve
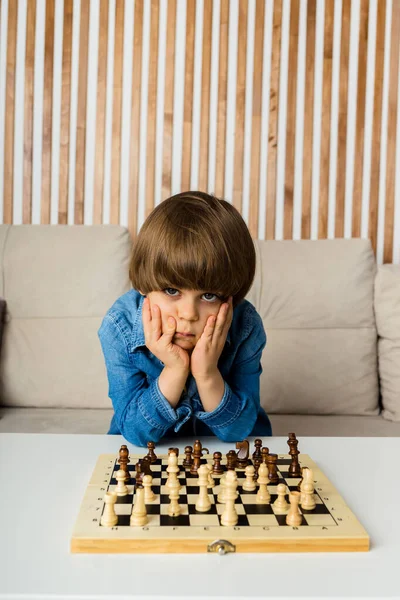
x=142, y=413
x=235, y=416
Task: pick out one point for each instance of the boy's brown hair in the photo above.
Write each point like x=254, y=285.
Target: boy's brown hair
x=194, y=241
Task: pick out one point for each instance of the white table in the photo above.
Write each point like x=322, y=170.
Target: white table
x=36, y=527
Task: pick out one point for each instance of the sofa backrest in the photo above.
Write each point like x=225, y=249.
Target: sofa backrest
x=58, y=282
x=316, y=302
x=315, y=299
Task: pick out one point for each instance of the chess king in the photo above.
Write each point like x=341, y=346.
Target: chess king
x=183, y=347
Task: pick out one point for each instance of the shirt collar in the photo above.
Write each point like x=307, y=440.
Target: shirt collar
x=138, y=338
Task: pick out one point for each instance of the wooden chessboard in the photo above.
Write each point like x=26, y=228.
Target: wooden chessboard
x=330, y=527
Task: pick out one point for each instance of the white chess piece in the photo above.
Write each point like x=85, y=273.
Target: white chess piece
x=263, y=496
x=149, y=495
x=294, y=516
x=307, y=495
x=211, y=480
x=121, y=489
x=172, y=470
x=174, y=510
x=222, y=489
x=249, y=484
x=229, y=517
x=109, y=518
x=139, y=513
x=203, y=503
x=280, y=505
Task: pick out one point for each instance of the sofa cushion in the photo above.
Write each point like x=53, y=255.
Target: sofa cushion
x=316, y=302
x=59, y=282
x=387, y=310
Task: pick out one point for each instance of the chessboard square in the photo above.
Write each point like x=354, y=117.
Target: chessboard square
x=164, y=509
x=180, y=521
x=165, y=491
x=320, y=520
x=262, y=520
x=123, y=509
x=242, y=521
x=249, y=498
x=258, y=509
x=320, y=509
x=193, y=511
x=152, y=520
x=238, y=507
x=283, y=461
x=153, y=508
x=204, y=520
x=192, y=489
x=124, y=521
x=192, y=498
x=128, y=499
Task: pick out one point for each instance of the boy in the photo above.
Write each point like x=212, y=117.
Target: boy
x=183, y=347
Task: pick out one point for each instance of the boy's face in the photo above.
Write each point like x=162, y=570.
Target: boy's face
x=189, y=308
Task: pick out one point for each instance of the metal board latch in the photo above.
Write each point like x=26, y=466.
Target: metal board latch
x=221, y=546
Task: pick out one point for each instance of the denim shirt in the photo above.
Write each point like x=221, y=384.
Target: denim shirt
x=141, y=411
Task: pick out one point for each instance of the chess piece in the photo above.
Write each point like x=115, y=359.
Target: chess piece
x=264, y=454
x=151, y=454
x=138, y=474
x=149, y=495
x=211, y=481
x=109, y=518
x=263, y=495
x=172, y=470
x=145, y=463
x=188, y=460
x=217, y=467
x=242, y=457
x=139, y=513
x=203, y=503
x=231, y=460
x=229, y=517
x=174, y=510
x=121, y=489
x=176, y=450
x=123, y=461
x=257, y=451
x=307, y=490
x=294, y=467
x=294, y=516
x=273, y=476
x=281, y=507
x=197, y=454
x=222, y=489
x=249, y=485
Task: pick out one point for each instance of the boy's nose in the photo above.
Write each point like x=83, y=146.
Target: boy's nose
x=187, y=311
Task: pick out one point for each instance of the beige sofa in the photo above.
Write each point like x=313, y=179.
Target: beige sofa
x=331, y=365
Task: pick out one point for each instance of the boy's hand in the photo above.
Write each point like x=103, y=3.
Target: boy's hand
x=206, y=353
x=160, y=344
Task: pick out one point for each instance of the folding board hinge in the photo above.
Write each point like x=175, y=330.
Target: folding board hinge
x=221, y=546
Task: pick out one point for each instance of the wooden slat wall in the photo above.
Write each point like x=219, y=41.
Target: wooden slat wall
x=346, y=164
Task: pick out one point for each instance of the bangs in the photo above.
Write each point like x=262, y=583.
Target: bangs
x=189, y=261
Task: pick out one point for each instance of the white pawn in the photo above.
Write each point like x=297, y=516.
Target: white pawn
x=229, y=517
x=280, y=505
x=308, y=478
x=203, y=503
x=249, y=484
x=149, y=495
x=109, y=518
x=307, y=496
x=172, y=470
x=139, y=513
x=174, y=510
x=222, y=490
x=121, y=489
x=294, y=516
x=263, y=496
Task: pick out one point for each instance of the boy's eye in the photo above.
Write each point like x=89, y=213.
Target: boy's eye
x=170, y=291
